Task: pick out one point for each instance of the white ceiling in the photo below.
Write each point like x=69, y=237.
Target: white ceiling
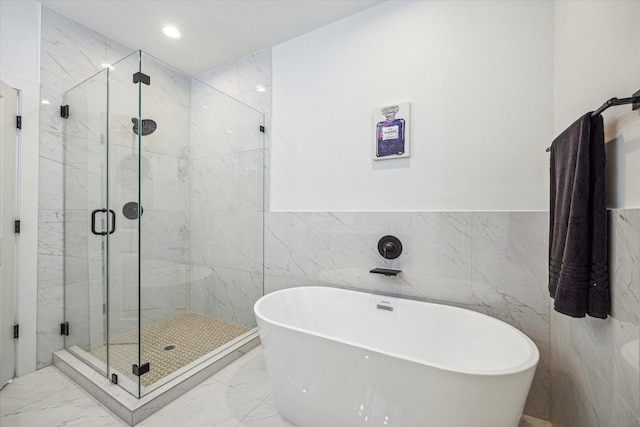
x=215, y=31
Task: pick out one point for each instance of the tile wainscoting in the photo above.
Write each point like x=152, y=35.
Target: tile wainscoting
x=491, y=262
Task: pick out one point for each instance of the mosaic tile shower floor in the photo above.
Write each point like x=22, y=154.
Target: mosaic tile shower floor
x=168, y=345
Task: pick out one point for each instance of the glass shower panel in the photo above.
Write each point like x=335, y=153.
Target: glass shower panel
x=164, y=189
x=227, y=170
x=125, y=166
x=201, y=229
x=165, y=232
x=86, y=227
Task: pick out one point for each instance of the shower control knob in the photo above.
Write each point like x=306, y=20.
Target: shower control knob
x=130, y=210
x=390, y=247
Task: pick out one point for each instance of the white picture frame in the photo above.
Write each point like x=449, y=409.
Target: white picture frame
x=391, y=136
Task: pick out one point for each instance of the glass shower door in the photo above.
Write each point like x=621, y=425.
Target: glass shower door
x=87, y=221
x=101, y=244
x=123, y=196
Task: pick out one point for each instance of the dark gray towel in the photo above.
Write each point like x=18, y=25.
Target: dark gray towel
x=578, y=274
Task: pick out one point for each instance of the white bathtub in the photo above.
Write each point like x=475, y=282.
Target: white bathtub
x=337, y=360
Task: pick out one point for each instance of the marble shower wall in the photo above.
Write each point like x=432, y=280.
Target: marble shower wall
x=85, y=168
x=227, y=173
x=162, y=159
x=70, y=53
x=249, y=81
x=165, y=194
x=224, y=277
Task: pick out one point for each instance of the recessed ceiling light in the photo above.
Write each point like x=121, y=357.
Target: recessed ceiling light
x=171, y=32
x=45, y=102
x=260, y=88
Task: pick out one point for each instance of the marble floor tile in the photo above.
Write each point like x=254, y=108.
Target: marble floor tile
x=64, y=407
x=265, y=415
x=237, y=396
x=248, y=375
x=33, y=388
x=209, y=404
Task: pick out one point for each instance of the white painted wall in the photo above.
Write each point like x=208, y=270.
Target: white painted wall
x=597, y=57
x=479, y=76
x=20, y=68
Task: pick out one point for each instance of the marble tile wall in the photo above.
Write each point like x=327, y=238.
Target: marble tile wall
x=503, y=273
x=70, y=53
x=241, y=80
x=226, y=206
x=84, y=153
x=492, y=262
x=228, y=213
x=595, y=368
x=165, y=193
x=248, y=80
x=495, y=263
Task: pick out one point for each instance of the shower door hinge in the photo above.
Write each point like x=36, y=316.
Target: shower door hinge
x=16, y=226
x=64, y=328
x=140, y=77
x=64, y=111
x=16, y=331
x=262, y=129
x=137, y=371
x=19, y=122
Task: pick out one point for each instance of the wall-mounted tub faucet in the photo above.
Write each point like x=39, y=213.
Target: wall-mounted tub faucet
x=385, y=271
x=389, y=247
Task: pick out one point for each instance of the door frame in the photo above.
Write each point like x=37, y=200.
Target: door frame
x=11, y=196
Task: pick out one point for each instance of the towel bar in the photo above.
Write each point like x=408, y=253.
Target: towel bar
x=634, y=100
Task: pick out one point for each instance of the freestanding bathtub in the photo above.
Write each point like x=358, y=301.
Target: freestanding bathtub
x=340, y=358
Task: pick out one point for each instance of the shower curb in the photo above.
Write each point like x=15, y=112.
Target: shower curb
x=131, y=409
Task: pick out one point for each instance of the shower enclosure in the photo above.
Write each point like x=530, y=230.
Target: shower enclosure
x=163, y=222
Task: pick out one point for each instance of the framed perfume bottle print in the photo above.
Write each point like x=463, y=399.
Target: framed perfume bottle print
x=391, y=131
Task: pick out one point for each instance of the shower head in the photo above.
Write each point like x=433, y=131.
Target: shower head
x=148, y=126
